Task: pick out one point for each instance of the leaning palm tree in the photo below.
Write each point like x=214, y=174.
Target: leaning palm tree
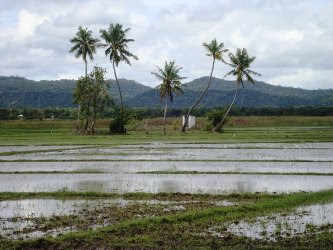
x=240, y=62
x=215, y=50
x=116, y=48
x=84, y=46
x=171, y=83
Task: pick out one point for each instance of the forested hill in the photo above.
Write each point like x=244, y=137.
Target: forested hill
x=21, y=92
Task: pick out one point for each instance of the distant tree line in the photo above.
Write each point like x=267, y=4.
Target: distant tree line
x=144, y=113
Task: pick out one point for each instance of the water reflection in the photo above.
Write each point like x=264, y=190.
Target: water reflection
x=152, y=183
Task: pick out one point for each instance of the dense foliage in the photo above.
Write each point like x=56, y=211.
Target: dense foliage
x=141, y=113
x=18, y=92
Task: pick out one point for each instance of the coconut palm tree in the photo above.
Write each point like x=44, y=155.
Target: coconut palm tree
x=215, y=50
x=171, y=83
x=117, y=49
x=84, y=46
x=241, y=63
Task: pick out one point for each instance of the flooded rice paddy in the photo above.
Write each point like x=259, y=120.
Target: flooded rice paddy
x=119, y=169
x=31, y=218
x=304, y=219
x=161, y=168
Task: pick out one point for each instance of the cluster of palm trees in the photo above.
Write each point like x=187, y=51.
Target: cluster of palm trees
x=115, y=42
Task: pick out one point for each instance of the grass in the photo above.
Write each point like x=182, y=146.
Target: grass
x=187, y=229
x=64, y=194
x=307, y=129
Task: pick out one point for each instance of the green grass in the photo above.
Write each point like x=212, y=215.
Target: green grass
x=64, y=194
x=188, y=229
x=60, y=133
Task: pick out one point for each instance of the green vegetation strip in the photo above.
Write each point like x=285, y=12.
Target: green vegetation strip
x=230, y=172
x=185, y=229
x=65, y=194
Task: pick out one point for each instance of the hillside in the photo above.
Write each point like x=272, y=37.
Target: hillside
x=21, y=92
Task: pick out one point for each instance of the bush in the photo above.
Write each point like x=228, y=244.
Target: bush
x=215, y=117
x=120, y=120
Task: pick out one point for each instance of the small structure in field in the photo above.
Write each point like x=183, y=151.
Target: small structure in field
x=191, y=121
x=20, y=117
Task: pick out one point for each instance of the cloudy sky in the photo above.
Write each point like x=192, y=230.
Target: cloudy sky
x=291, y=39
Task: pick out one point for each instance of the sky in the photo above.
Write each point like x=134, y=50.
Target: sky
x=292, y=40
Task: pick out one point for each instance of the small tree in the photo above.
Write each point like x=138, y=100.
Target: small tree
x=99, y=94
x=215, y=50
x=241, y=63
x=171, y=84
x=81, y=97
x=92, y=94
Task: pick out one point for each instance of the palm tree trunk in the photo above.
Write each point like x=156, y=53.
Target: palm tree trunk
x=218, y=126
x=86, y=68
x=79, y=125
x=115, y=75
x=93, y=122
x=200, y=97
x=165, y=113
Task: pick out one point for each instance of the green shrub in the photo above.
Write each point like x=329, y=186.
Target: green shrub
x=215, y=116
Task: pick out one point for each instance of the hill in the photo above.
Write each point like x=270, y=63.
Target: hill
x=21, y=92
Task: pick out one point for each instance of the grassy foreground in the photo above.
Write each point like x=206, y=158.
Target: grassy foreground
x=190, y=229
x=239, y=130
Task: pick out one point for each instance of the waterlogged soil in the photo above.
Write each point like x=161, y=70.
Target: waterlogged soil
x=284, y=152
x=7, y=149
x=166, y=183
x=40, y=217
x=168, y=166
x=304, y=220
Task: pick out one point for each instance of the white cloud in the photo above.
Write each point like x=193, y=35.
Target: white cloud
x=292, y=40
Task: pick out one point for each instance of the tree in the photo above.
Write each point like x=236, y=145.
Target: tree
x=98, y=94
x=171, y=84
x=81, y=97
x=117, y=49
x=216, y=51
x=240, y=62
x=92, y=94
x=84, y=46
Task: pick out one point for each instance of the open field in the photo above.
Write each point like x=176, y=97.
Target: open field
x=240, y=129
x=268, y=186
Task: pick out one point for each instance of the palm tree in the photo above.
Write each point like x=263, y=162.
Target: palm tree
x=215, y=50
x=240, y=62
x=116, y=47
x=171, y=83
x=84, y=46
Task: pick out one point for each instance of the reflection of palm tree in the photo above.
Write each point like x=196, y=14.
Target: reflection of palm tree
x=169, y=186
x=93, y=186
x=241, y=63
x=215, y=50
x=116, y=47
x=171, y=83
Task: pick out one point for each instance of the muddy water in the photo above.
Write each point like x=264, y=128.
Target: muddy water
x=4, y=149
x=186, y=153
x=169, y=183
x=285, y=225
x=137, y=166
